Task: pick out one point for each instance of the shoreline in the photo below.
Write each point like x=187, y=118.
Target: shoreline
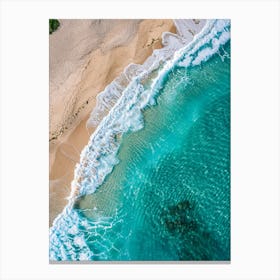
x=65, y=154
x=185, y=30
x=76, y=97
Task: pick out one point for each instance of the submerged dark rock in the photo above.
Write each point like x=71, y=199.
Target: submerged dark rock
x=180, y=218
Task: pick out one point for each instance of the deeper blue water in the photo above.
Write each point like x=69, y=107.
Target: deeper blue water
x=167, y=197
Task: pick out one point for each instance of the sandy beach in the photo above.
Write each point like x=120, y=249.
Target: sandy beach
x=85, y=56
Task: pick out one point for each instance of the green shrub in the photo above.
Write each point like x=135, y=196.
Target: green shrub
x=53, y=25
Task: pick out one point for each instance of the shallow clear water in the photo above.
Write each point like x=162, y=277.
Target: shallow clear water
x=169, y=196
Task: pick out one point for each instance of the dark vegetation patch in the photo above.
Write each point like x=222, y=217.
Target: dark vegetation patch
x=53, y=25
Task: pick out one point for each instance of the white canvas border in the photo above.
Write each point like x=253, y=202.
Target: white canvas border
x=254, y=134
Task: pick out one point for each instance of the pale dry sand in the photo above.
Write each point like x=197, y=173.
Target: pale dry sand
x=85, y=56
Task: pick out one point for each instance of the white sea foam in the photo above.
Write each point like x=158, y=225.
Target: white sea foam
x=63, y=244
x=99, y=156
x=131, y=94
x=171, y=42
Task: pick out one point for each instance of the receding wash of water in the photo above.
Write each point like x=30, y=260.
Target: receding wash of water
x=153, y=182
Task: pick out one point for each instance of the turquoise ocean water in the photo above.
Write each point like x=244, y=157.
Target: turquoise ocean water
x=167, y=195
